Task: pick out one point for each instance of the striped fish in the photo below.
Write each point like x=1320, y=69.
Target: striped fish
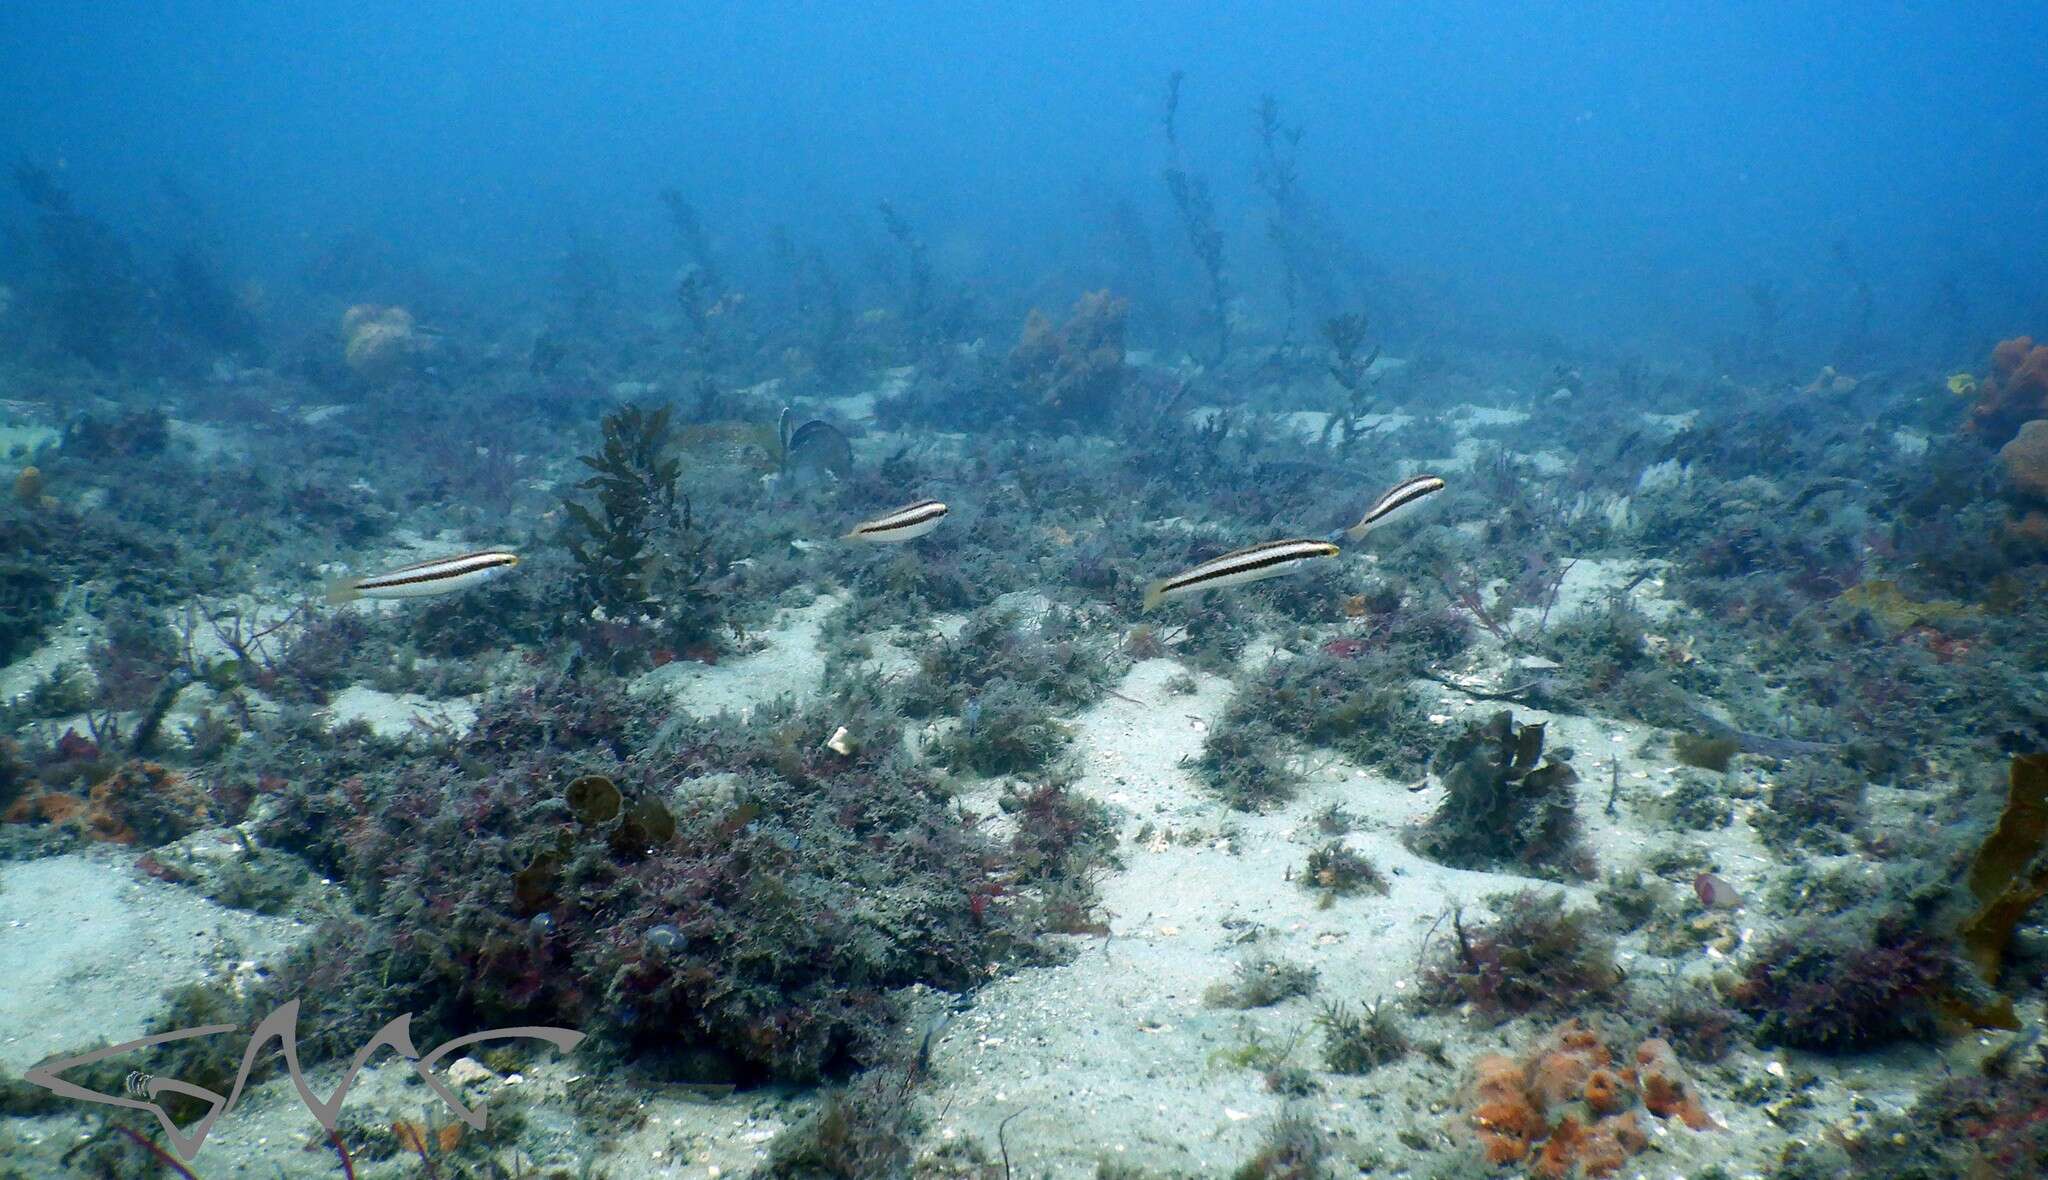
x=1398, y=501
x=906, y=523
x=424, y=579
x=1251, y=564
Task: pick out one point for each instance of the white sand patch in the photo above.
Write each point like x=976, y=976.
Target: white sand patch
x=392, y=715
x=860, y=407
x=270, y=1132
x=1479, y=440
x=1113, y=1052
x=1469, y=417
x=628, y=391
x=691, y=1137
x=207, y=441
x=1671, y=425
x=789, y=663
x=67, y=643
x=1307, y=424
x=19, y=440
x=1310, y=425
x=1591, y=583
x=90, y=946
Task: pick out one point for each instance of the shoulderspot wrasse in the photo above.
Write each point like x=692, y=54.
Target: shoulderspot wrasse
x=1395, y=502
x=1251, y=564
x=424, y=579
x=904, y=524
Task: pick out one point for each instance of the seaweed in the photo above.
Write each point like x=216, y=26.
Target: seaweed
x=1336, y=870
x=1007, y=730
x=768, y=922
x=1241, y=764
x=1278, y=173
x=640, y=556
x=28, y=607
x=1833, y=988
x=1696, y=1023
x=1345, y=334
x=635, y=481
x=1535, y=956
x=863, y=1130
x=1292, y=1148
x=1505, y=802
x=1260, y=981
x=1358, y=1041
x=1706, y=753
x=690, y=229
x=1359, y=705
x=1060, y=832
x=1050, y=656
x=1197, y=213
x=1696, y=802
x=2009, y=873
x=1627, y=901
x=199, y=304
x=1074, y=370
x=88, y=291
x=127, y=434
x=1815, y=805
x=1993, y=1123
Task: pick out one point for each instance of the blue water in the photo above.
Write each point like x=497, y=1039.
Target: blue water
x=1588, y=171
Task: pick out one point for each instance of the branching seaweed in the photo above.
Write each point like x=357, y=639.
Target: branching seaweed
x=1535, y=956
x=1197, y=214
x=640, y=556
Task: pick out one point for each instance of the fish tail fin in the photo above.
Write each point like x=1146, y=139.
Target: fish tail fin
x=1155, y=593
x=855, y=535
x=1356, y=532
x=342, y=590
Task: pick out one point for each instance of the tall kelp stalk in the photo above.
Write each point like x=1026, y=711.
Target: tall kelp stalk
x=690, y=231
x=86, y=290
x=917, y=268
x=1278, y=177
x=720, y=330
x=1197, y=213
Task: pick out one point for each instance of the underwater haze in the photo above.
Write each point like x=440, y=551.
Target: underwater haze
x=970, y=592
x=1578, y=170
